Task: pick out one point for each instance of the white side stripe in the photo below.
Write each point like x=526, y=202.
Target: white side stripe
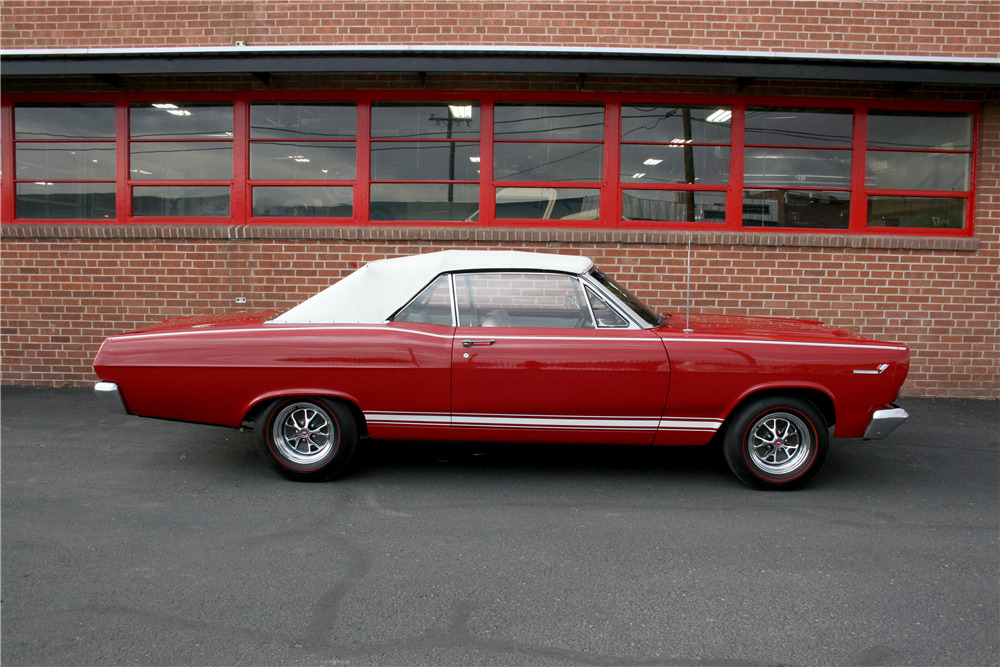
x=791, y=343
x=547, y=422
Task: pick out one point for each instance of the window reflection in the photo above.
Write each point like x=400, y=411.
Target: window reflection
x=674, y=163
x=65, y=201
x=548, y=203
x=65, y=161
x=549, y=122
x=548, y=142
x=892, y=170
x=547, y=162
x=799, y=127
x=170, y=201
x=535, y=300
x=674, y=147
x=813, y=209
x=303, y=201
x=301, y=120
x=675, y=125
x=425, y=120
x=448, y=202
x=929, y=131
x=923, y=212
x=674, y=206
x=74, y=121
x=170, y=160
x=169, y=120
x=426, y=161
x=281, y=160
x=793, y=167
x=431, y=306
x=42, y=156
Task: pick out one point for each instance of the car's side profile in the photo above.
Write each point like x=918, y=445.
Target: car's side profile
x=508, y=347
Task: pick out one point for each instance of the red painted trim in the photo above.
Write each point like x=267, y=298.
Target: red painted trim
x=611, y=187
x=734, y=189
x=7, y=197
x=363, y=156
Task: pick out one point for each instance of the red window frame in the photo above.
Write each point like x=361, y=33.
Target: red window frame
x=610, y=187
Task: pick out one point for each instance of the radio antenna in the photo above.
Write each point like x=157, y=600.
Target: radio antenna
x=687, y=288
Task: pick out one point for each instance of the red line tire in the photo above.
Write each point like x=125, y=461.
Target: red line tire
x=776, y=443
x=307, y=439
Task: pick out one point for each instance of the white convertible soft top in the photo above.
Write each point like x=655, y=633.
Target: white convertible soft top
x=378, y=289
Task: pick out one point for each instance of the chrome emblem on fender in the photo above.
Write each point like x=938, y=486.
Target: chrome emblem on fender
x=878, y=371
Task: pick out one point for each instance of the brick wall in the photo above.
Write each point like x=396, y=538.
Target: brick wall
x=67, y=288
x=921, y=28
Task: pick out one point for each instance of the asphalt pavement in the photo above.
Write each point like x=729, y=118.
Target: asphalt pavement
x=131, y=541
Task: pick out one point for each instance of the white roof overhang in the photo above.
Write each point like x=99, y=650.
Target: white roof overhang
x=377, y=290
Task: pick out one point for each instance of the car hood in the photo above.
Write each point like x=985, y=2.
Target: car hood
x=767, y=327
x=219, y=321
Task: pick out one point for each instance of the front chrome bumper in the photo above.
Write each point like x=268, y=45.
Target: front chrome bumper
x=885, y=422
x=109, y=396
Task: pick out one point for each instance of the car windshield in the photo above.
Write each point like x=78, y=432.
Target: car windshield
x=638, y=307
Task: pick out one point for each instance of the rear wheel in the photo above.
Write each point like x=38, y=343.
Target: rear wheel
x=307, y=439
x=776, y=443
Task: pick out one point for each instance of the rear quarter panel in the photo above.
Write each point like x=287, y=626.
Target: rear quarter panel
x=216, y=376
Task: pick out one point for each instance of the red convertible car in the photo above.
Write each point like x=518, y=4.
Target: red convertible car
x=508, y=347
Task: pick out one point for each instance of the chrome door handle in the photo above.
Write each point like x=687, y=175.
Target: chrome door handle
x=468, y=342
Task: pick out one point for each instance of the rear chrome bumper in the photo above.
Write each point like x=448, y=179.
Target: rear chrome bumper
x=885, y=422
x=109, y=396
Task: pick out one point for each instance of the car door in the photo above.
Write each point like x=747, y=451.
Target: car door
x=409, y=370
x=532, y=363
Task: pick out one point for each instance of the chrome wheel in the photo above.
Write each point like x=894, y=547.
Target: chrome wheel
x=776, y=442
x=304, y=433
x=779, y=442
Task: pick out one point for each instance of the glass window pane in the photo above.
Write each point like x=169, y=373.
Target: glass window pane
x=796, y=208
x=676, y=124
x=65, y=201
x=425, y=120
x=560, y=122
x=66, y=161
x=203, y=201
x=924, y=212
x=547, y=162
x=302, y=160
x=425, y=161
x=77, y=121
x=181, y=120
x=168, y=160
x=431, y=306
x=890, y=170
x=606, y=315
x=675, y=163
x=299, y=120
x=446, y=202
x=548, y=203
x=792, y=167
x=303, y=202
x=674, y=206
x=908, y=129
x=534, y=300
x=799, y=127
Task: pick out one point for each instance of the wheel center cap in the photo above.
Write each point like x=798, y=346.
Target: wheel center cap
x=303, y=433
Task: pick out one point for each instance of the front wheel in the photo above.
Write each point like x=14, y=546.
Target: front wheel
x=307, y=439
x=776, y=443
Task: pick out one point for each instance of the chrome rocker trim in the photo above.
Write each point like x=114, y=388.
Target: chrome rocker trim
x=885, y=422
x=109, y=396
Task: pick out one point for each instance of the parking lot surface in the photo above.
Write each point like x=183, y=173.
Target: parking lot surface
x=131, y=541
